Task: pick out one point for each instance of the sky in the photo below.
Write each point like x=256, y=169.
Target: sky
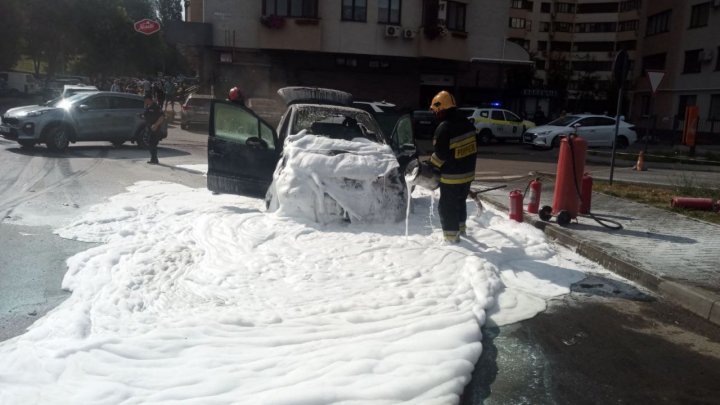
x=212, y=299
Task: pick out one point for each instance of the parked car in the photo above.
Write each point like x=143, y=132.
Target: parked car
x=424, y=125
x=597, y=130
x=195, y=110
x=386, y=114
x=86, y=116
x=244, y=151
x=17, y=83
x=496, y=123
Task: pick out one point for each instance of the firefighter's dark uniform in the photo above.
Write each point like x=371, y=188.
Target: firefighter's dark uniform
x=455, y=156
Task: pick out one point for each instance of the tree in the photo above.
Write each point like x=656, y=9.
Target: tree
x=49, y=33
x=10, y=32
x=169, y=10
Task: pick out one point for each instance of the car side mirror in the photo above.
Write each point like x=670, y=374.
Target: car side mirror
x=83, y=107
x=576, y=126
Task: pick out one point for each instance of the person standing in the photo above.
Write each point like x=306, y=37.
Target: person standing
x=154, y=121
x=115, y=86
x=454, y=157
x=169, y=95
x=159, y=94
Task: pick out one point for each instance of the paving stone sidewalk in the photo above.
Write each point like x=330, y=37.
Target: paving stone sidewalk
x=673, y=255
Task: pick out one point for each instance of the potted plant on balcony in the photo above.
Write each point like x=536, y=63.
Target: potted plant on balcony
x=273, y=21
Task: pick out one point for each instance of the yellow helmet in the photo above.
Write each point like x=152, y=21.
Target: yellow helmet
x=442, y=101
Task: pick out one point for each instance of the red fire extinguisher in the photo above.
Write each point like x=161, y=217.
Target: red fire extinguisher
x=534, y=203
x=586, y=194
x=516, y=205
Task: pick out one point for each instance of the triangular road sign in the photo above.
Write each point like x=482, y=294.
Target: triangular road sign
x=655, y=79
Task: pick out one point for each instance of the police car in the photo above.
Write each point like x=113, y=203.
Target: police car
x=496, y=123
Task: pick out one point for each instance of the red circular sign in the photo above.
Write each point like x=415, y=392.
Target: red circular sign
x=147, y=27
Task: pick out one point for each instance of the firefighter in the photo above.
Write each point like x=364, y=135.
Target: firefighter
x=236, y=96
x=455, y=153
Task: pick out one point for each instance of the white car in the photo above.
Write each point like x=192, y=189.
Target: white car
x=597, y=130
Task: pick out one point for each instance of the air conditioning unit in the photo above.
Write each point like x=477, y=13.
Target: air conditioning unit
x=706, y=55
x=408, y=33
x=393, y=31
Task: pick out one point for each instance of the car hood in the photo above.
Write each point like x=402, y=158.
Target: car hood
x=552, y=128
x=19, y=111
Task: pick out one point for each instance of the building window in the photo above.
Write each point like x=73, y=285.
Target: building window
x=699, y=15
x=591, y=8
x=525, y=43
x=389, y=11
x=630, y=25
x=562, y=27
x=658, y=23
x=354, y=10
x=455, y=16
x=629, y=5
x=291, y=8
x=654, y=62
x=517, y=22
x=542, y=46
x=626, y=45
x=545, y=7
x=596, y=27
x=544, y=26
x=692, y=61
x=565, y=8
x=714, y=114
x=521, y=4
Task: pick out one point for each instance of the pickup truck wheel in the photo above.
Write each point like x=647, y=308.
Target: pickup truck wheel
x=484, y=136
x=57, y=138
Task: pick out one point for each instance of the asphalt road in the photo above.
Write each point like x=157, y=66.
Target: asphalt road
x=606, y=342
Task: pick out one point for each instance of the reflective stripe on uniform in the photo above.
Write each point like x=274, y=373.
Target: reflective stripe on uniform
x=452, y=236
x=436, y=161
x=461, y=178
x=462, y=140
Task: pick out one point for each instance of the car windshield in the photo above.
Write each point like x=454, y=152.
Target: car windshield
x=337, y=122
x=66, y=102
x=564, y=121
x=72, y=92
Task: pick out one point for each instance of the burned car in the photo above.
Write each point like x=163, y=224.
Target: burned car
x=327, y=160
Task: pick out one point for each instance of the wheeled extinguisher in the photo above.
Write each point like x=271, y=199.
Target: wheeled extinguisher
x=534, y=203
x=516, y=205
x=586, y=193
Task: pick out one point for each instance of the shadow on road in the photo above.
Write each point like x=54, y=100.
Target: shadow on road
x=99, y=151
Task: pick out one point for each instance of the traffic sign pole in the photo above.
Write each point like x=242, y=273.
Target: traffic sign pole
x=655, y=77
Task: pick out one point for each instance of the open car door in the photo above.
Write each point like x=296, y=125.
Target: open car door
x=242, y=151
x=402, y=141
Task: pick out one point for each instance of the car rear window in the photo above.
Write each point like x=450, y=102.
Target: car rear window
x=327, y=116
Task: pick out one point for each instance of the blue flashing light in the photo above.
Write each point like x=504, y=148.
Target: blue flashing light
x=496, y=104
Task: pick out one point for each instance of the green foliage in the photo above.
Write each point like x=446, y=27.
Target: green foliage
x=169, y=10
x=10, y=28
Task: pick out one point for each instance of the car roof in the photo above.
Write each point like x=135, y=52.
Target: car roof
x=329, y=106
x=314, y=95
x=203, y=96
x=78, y=87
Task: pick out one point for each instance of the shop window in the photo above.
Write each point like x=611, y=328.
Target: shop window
x=714, y=113
x=354, y=10
x=389, y=11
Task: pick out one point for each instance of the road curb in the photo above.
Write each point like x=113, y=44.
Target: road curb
x=701, y=302
x=621, y=163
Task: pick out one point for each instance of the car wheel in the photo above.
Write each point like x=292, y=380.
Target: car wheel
x=184, y=125
x=485, y=136
x=117, y=144
x=57, y=139
x=622, y=142
x=27, y=144
x=555, y=142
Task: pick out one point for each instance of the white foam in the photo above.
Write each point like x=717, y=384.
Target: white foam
x=207, y=299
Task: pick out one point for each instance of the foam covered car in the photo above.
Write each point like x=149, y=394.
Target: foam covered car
x=326, y=161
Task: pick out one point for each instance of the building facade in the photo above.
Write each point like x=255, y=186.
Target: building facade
x=682, y=39
x=401, y=51
x=573, y=44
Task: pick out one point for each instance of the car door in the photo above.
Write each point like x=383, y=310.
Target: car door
x=403, y=140
x=93, y=117
x=243, y=151
x=125, y=117
x=605, y=129
x=588, y=130
x=497, y=119
x=513, y=125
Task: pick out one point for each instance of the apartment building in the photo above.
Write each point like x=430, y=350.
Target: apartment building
x=573, y=44
x=682, y=39
x=402, y=51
